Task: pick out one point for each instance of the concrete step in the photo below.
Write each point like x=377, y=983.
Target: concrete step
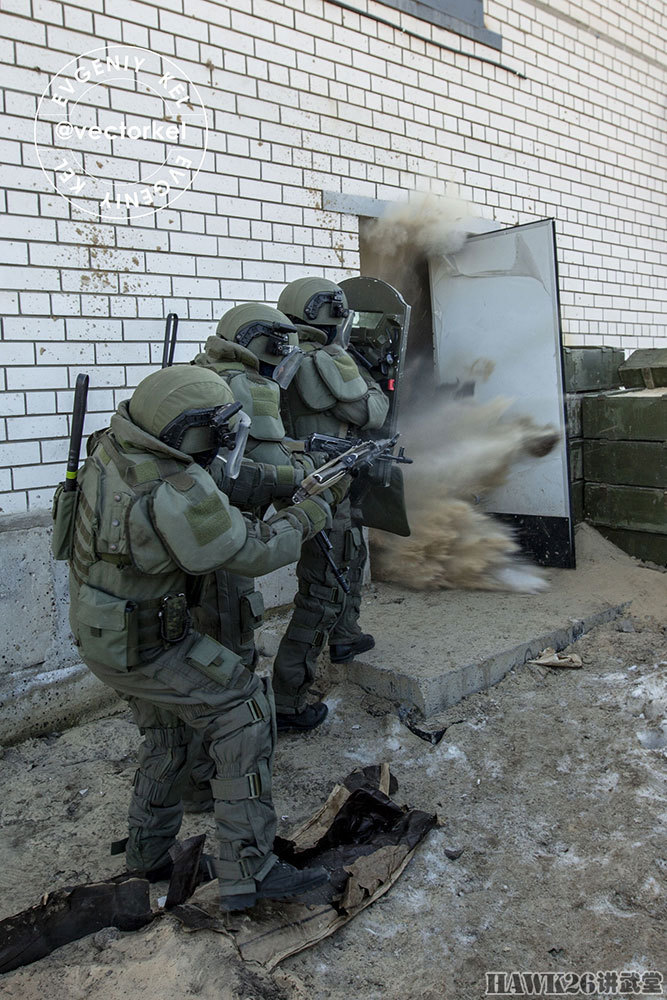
x=435, y=648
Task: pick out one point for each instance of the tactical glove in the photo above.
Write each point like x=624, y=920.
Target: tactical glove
x=314, y=515
x=339, y=490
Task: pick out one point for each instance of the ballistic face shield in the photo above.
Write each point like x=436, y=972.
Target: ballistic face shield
x=286, y=369
x=232, y=452
x=344, y=331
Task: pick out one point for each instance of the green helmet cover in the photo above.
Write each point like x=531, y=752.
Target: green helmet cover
x=265, y=331
x=181, y=396
x=315, y=301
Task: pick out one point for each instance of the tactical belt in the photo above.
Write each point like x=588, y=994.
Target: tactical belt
x=149, y=630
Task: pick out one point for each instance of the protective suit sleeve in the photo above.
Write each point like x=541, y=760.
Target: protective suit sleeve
x=259, y=483
x=203, y=532
x=279, y=539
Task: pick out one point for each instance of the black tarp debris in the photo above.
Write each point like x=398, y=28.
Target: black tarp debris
x=69, y=914
x=360, y=835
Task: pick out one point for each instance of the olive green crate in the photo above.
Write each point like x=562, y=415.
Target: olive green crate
x=577, y=501
x=635, y=508
x=576, y=458
x=625, y=463
x=646, y=368
x=631, y=415
x=647, y=545
x=588, y=368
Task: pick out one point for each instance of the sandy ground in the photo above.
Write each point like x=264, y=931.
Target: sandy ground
x=552, y=784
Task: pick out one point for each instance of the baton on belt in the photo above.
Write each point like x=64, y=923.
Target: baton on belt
x=170, y=330
x=78, y=414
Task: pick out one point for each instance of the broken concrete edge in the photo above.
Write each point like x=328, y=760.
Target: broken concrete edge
x=48, y=701
x=429, y=697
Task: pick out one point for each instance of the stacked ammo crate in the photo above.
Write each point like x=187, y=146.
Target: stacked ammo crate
x=618, y=446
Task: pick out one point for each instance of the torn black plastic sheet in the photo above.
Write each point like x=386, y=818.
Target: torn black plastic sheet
x=66, y=915
x=360, y=834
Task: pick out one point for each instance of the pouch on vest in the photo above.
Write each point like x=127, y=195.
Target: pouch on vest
x=213, y=659
x=252, y=611
x=63, y=512
x=107, y=628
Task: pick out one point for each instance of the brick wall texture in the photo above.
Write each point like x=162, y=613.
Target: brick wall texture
x=304, y=97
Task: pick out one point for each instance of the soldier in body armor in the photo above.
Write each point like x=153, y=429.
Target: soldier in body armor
x=150, y=523
x=251, y=342
x=328, y=395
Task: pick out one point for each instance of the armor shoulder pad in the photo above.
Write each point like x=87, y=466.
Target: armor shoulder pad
x=340, y=374
x=198, y=527
x=313, y=390
x=261, y=401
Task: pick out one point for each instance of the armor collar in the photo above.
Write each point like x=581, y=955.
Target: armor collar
x=130, y=436
x=311, y=334
x=218, y=349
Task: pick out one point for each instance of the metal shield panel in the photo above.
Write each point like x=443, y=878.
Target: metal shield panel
x=497, y=333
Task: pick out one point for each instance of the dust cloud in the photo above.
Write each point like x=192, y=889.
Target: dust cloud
x=461, y=451
x=426, y=224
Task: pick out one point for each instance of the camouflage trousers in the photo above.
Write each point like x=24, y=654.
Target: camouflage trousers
x=322, y=609
x=199, y=685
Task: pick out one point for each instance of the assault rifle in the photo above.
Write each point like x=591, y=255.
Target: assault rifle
x=345, y=459
x=335, y=447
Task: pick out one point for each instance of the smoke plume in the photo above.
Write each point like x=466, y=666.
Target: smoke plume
x=426, y=224
x=461, y=451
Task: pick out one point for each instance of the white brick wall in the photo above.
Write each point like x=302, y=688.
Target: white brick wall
x=305, y=97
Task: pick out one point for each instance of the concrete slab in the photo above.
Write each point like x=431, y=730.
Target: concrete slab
x=435, y=648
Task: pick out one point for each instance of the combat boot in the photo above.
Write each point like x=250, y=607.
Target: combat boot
x=309, y=718
x=282, y=882
x=341, y=652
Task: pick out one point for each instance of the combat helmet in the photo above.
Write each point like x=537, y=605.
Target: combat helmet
x=265, y=331
x=316, y=302
x=188, y=408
